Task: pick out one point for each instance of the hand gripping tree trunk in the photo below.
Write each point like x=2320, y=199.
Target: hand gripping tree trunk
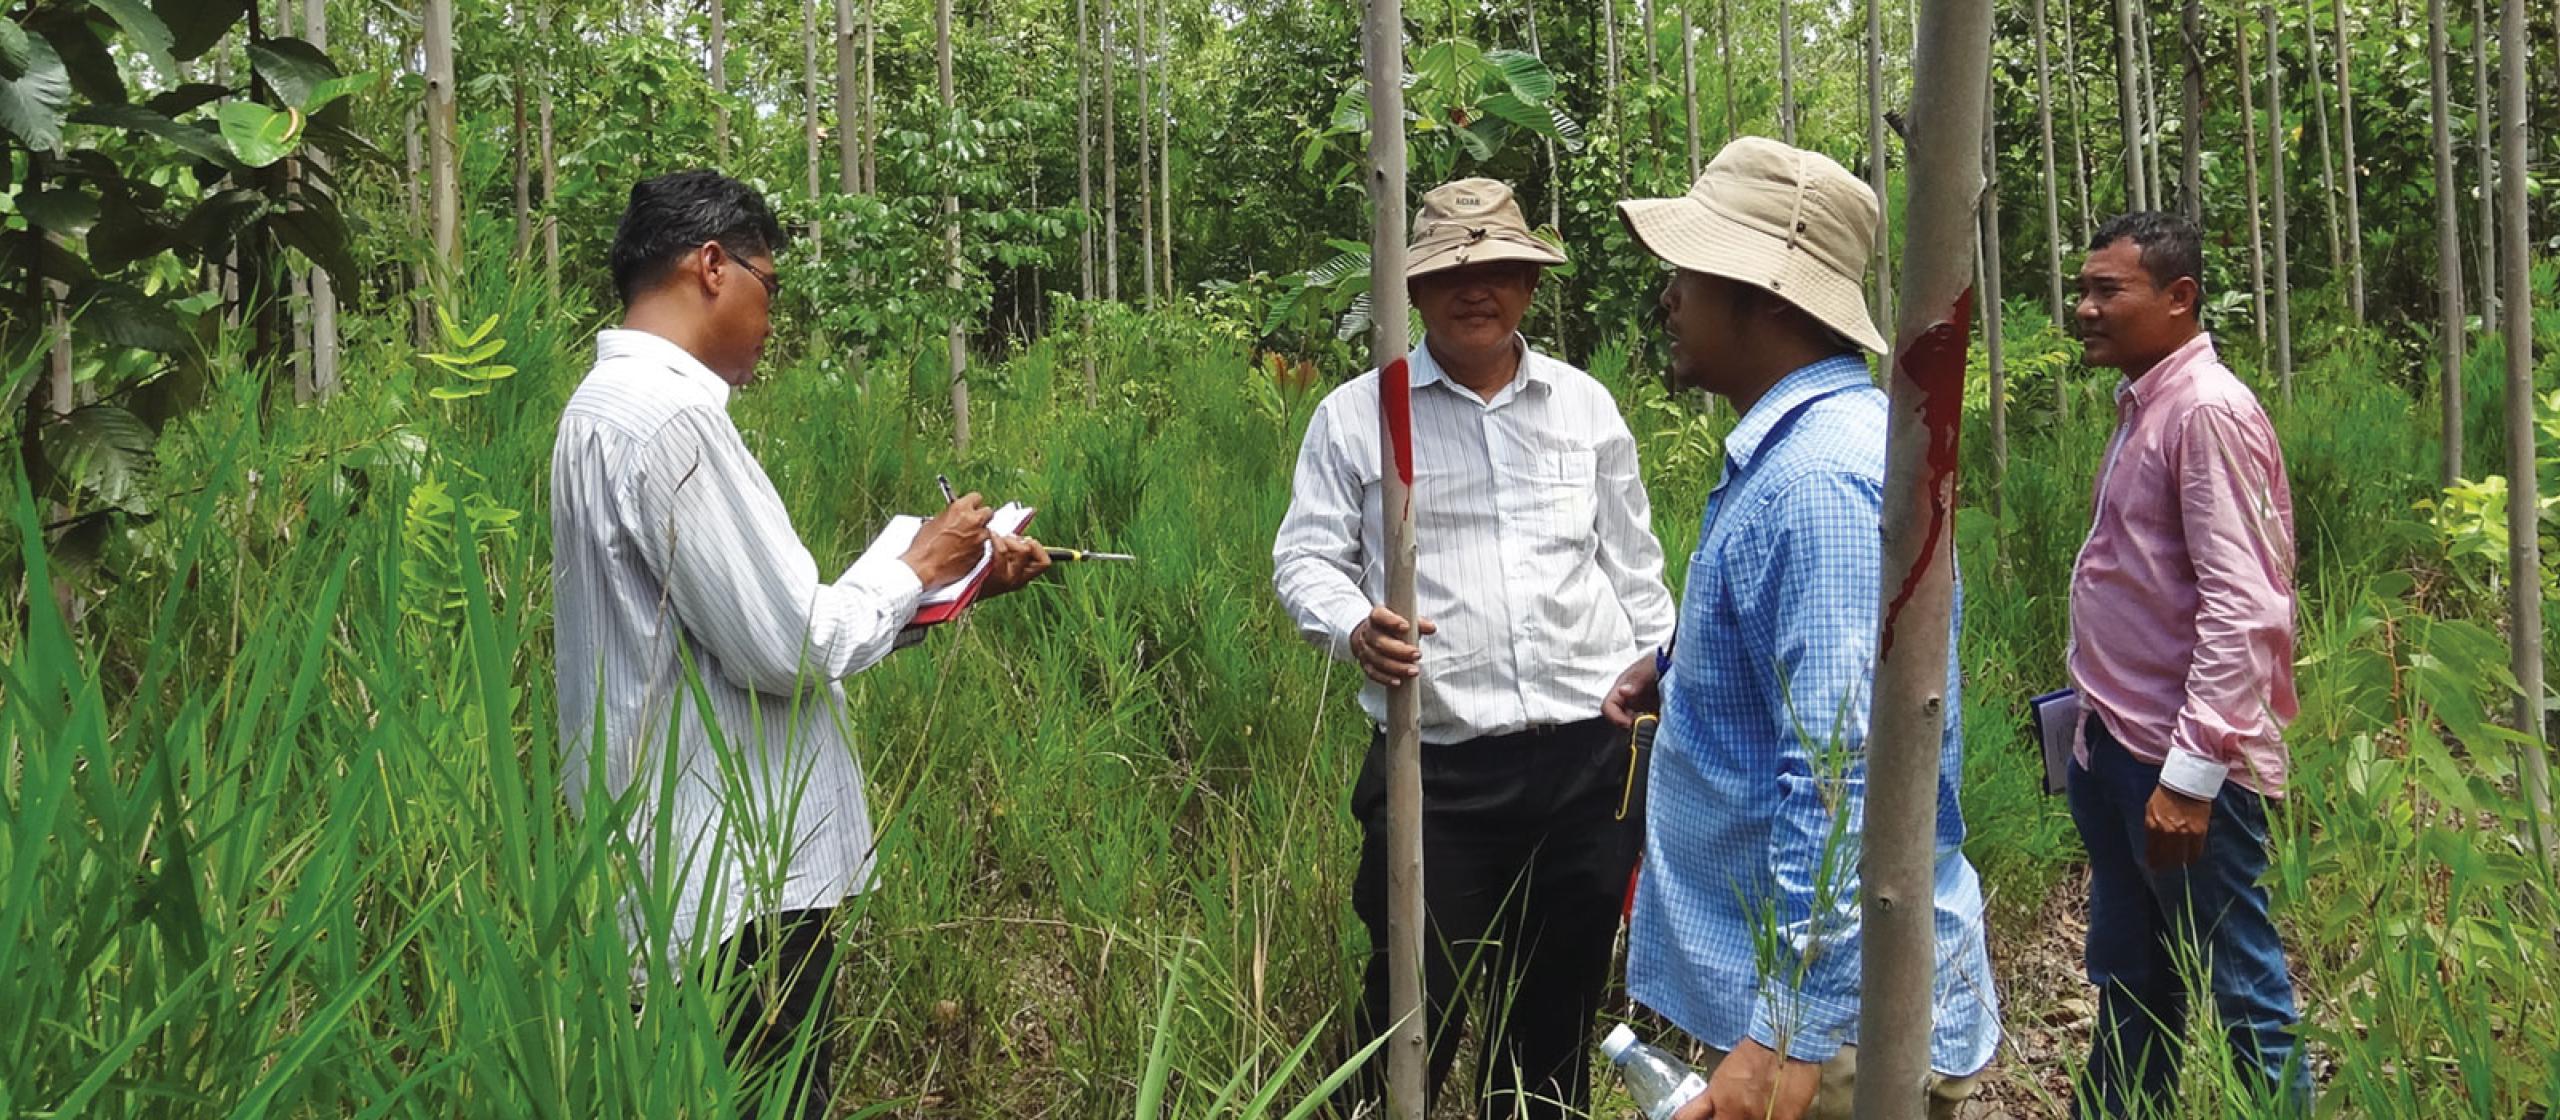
x=2449, y=296
x=1408, y=1055
x=2524, y=546
x=1918, y=586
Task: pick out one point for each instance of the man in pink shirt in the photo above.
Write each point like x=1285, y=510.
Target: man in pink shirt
x=2182, y=650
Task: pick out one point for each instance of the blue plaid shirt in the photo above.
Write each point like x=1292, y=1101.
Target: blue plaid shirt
x=1746, y=920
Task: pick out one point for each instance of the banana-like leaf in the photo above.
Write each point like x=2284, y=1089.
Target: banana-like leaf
x=1524, y=74
x=33, y=103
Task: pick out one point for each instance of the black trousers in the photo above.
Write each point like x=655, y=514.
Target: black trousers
x=780, y=976
x=1526, y=857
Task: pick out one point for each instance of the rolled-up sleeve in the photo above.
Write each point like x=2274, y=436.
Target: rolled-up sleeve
x=2241, y=545
x=1317, y=558
x=736, y=575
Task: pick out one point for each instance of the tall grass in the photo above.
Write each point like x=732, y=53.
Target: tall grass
x=283, y=833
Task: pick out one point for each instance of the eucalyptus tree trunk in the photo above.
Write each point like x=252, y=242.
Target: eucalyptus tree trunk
x=2282, y=295
x=2079, y=92
x=2491, y=296
x=959, y=348
x=2191, y=124
x=1879, y=161
x=550, y=199
x=324, y=295
x=2320, y=134
x=1609, y=83
x=421, y=281
x=1724, y=66
x=1555, y=169
x=1689, y=86
x=1917, y=590
x=1164, y=150
x=2052, y=188
x=1408, y=1055
x=809, y=115
x=870, y=115
x=2354, y=173
x=1787, y=71
x=1141, y=53
x=1110, y=161
x=1652, y=69
x=2449, y=297
x=718, y=71
x=848, y=103
x=1084, y=200
x=520, y=159
x=2524, y=546
x=444, y=183
x=1987, y=269
x=2137, y=182
x=2157, y=189
x=2257, y=210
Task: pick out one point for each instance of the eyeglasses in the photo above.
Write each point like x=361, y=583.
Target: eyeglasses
x=772, y=285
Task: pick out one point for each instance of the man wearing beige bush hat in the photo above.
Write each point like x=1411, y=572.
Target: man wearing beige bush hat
x=1538, y=577
x=1745, y=930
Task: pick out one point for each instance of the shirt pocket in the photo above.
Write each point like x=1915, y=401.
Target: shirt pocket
x=1566, y=484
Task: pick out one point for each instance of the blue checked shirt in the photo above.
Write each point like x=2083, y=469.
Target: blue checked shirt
x=1746, y=919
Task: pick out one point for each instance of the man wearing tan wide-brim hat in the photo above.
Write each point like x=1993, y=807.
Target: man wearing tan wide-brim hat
x=1745, y=928
x=1538, y=577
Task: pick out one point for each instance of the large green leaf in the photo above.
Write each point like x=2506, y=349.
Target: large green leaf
x=196, y=25
x=120, y=315
x=32, y=104
x=106, y=451
x=68, y=211
x=195, y=141
x=260, y=135
x=143, y=31
x=1526, y=76
x=14, y=55
x=295, y=68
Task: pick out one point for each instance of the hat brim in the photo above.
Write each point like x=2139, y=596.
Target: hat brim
x=1442, y=255
x=1692, y=235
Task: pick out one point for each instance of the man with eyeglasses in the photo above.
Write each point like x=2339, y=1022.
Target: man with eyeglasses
x=699, y=648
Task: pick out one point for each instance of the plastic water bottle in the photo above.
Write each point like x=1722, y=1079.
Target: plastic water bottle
x=1659, y=1082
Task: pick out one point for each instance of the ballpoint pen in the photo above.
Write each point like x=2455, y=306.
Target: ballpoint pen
x=1061, y=555
x=944, y=481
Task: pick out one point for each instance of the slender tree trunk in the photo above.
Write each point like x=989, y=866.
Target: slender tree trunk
x=809, y=122
x=2524, y=545
x=718, y=71
x=1555, y=168
x=1689, y=85
x=2312, y=77
x=2129, y=108
x=2052, y=185
x=550, y=196
x=1144, y=52
x=959, y=349
x=421, y=281
x=869, y=118
x=1084, y=203
x=1407, y=1054
x=848, y=104
x=1609, y=82
x=443, y=156
x=1164, y=150
x=2282, y=295
x=1110, y=162
x=1879, y=161
x=2257, y=210
x=2354, y=173
x=2191, y=127
x=1787, y=71
x=2450, y=311
x=1909, y=710
x=1652, y=70
x=520, y=158
x=2079, y=91
x=324, y=295
x=1724, y=66
x=2157, y=188
x=2492, y=299
x=1988, y=269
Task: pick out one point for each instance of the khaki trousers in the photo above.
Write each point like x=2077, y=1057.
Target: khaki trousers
x=1840, y=1085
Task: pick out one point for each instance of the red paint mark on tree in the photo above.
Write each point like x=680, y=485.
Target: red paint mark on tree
x=1395, y=415
x=1935, y=364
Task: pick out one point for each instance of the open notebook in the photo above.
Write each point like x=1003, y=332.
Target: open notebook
x=946, y=603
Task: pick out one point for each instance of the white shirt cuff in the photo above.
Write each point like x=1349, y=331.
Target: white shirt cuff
x=889, y=577
x=1340, y=619
x=2193, y=774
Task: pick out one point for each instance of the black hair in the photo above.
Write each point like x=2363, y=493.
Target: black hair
x=673, y=214
x=2169, y=243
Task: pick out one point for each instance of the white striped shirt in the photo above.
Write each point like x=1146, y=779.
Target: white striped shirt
x=671, y=549
x=1537, y=556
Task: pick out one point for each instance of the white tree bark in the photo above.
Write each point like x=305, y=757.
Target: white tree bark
x=2277, y=149
x=1896, y=855
x=2354, y=174
x=443, y=154
x=324, y=294
x=2450, y=311
x=2137, y=181
x=2257, y=208
x=2524, y=526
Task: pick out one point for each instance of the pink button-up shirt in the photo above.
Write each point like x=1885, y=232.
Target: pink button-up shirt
x=2182, y=598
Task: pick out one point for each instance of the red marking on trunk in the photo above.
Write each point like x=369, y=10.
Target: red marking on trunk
x=1395, y=415
x=1935, y=364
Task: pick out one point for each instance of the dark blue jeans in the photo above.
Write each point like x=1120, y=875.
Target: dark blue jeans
x=2153, y=933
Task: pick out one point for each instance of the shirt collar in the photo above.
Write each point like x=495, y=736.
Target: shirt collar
x=1836, y=374
x=1426, y=370
x=2168, y=372
x=642, y=346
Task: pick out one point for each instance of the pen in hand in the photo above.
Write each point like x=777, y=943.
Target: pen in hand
x=1062, y=555
x=944, y=481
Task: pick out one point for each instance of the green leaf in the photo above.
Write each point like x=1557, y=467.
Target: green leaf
x=14, y=52
x=32, y=104
x=295, y=68
x=143, y=31
x=106, y=451
x=63, y=210
x=259, y=135
x=196, y=25
x=120, y=315
x=193, y=140
x=1527, y=77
